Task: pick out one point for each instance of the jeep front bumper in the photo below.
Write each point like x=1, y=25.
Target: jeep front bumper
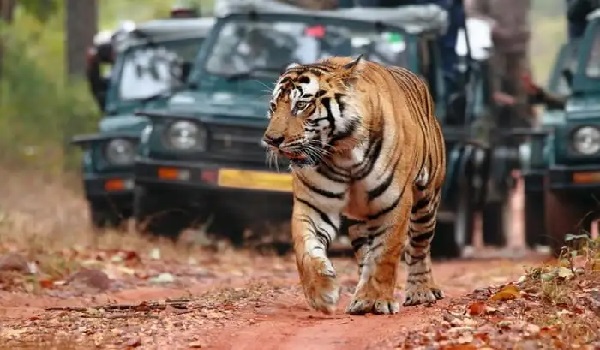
x=584, y=179
x=114, y=189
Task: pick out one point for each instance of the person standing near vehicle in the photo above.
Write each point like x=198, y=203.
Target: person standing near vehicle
x=511, y=33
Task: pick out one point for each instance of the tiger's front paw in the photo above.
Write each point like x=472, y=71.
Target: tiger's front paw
x=368, y=299
x=320, y=285
x=359, y=306
x=422, y=294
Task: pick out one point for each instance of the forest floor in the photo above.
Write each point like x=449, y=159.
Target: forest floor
x=64, y=287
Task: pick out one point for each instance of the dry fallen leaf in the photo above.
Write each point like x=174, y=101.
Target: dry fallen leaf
x=564, y=272
x=460, y=347
x=595, y=265
x=46, y=283
x=508, y=292
x=476, y=308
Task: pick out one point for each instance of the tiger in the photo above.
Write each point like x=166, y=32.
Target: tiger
x=363, y=142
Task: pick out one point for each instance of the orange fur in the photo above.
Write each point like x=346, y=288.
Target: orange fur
x=384, y=171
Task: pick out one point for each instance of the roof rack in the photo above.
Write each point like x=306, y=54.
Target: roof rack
x=412, y=18
x=164, y=29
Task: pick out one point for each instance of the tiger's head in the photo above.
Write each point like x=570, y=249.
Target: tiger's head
x=312, y=114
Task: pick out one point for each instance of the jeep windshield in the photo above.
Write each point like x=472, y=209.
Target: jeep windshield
x=267, y=44
x=150, y=70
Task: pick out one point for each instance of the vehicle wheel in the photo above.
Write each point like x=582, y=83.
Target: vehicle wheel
x=563, y=216
x=465, y=217
x=535, y=231
x=444, y=245
x=154, y=215
x=230, y=226
x=495, y=217
x=104, y=216
x=459, y=233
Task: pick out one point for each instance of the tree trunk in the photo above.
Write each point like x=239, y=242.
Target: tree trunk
x=81, y=26
x=7, y=9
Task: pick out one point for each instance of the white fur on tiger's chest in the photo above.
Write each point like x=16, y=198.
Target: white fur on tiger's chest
x=356, y=156
x=359, y=205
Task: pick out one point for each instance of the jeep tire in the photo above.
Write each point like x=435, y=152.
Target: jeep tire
x=534, y=224
x=155, y=214
x=495, y=219
x=103, y=215
x=564, y=214
x=451, y=238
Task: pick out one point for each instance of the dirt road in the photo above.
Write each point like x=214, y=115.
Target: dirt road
x=264, y=309
x=63, y=287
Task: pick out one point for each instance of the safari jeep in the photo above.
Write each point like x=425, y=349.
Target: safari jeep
x=567, y=160
x=532, y=153
x=150, y=61
x=202, y=161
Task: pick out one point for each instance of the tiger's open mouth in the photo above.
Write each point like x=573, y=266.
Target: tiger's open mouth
x=295, y=156
x=299, y=159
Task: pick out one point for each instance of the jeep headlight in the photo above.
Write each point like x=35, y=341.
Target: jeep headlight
x=185, y=135
x=120, y=152
x=586, y=140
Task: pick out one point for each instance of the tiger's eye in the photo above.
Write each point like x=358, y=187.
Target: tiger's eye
x=301, y=104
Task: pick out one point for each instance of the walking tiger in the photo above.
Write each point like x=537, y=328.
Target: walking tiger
x=363, y=141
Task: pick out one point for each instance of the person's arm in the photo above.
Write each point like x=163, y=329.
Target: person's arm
x=548, y=99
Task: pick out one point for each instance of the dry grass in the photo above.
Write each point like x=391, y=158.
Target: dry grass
x=41, y=213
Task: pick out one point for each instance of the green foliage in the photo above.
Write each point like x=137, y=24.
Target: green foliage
x=42, y=10
x=38, y=109
x=114, y=12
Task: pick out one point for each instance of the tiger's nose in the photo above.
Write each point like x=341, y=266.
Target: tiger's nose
x=273, y=141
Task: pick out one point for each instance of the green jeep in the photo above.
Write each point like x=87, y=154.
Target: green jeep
x=562, y=162
x=150, y=60
x=202, y=159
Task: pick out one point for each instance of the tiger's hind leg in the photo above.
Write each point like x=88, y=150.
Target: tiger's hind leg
x=420, y=286
x=378, y=247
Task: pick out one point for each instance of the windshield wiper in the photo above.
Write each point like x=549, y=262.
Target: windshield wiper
x=252, y=72
x=166, y=93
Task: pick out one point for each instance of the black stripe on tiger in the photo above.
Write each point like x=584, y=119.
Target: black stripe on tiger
x=383, y=186
x=322, y=215
x=326, y=102
x=373, y=153
x=323, y=237
x=320, y=191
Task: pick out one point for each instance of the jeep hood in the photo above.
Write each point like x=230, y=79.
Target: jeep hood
x=586, y=107
x=221, y=103
x=122, y=124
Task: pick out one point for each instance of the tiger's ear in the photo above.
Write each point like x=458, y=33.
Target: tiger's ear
x=351, y=69
x=292, y=65
x=354, y=64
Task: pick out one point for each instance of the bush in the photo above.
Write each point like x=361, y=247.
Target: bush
x=39, y=109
